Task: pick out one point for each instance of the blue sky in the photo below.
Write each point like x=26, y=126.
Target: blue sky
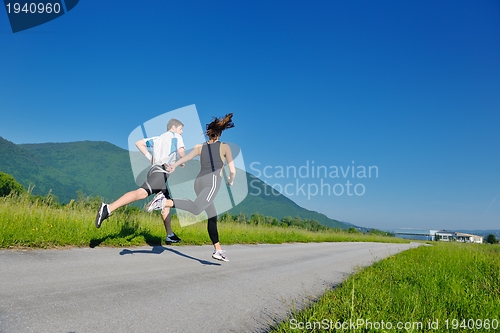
x=409, y=87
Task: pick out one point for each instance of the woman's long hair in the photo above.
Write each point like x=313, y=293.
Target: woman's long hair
x=215, y=128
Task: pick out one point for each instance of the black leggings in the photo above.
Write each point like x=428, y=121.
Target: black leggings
x=156, y=181
x=206, y=188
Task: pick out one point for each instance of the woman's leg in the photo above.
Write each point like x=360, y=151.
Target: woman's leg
x=212, y=226
x=206, y=189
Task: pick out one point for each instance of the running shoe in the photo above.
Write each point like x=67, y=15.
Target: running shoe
x=102, y=214
x=173, y=239
x=220, y=255
x=157, y=203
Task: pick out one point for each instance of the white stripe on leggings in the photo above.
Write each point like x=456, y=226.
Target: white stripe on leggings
x=212, y=190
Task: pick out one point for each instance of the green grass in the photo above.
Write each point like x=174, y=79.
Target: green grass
x=37, y=222
x=446, y=287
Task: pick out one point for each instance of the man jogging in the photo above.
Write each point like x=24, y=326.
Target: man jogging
x=167, y=148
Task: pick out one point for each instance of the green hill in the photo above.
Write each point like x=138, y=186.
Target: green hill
x=278, y=206
x=30, y=169
x=103, y=169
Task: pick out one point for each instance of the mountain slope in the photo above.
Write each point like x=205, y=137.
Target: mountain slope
x=31, y=170
x=102, y=168
x=278, y=206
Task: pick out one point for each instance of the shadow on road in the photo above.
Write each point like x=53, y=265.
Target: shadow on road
x=128, y=231
x=160, y=249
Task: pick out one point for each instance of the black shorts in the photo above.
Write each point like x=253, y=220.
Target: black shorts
x=156, y=181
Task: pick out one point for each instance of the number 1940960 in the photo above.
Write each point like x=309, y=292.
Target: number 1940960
x=472, y=324
x=33, y=8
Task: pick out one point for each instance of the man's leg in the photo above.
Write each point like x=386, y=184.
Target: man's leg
x=171, y=236
x=128, y=198
x=166, y=216
x=105, y=210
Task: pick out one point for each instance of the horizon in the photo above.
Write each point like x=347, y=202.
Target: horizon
x=408, y=88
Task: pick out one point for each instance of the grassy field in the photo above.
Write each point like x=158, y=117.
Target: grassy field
x=36, y=223
x=445, y=287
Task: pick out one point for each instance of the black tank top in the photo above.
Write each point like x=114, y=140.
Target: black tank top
x=210, y=158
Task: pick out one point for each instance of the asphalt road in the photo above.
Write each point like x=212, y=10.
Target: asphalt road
x=171, y=289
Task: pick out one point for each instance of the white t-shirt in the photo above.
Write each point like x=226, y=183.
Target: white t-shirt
x=164, y=147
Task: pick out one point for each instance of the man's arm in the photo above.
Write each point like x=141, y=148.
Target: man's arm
x=181, y=152
x=141, y=145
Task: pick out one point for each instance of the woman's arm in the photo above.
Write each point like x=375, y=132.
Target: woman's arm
x=195, y=152
x=230, y=163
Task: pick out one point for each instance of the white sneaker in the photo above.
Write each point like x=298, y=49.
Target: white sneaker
x=220, y=255
x=102, y=214
x=157, y=203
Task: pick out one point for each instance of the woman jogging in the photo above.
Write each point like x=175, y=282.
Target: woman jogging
x=207, y=184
